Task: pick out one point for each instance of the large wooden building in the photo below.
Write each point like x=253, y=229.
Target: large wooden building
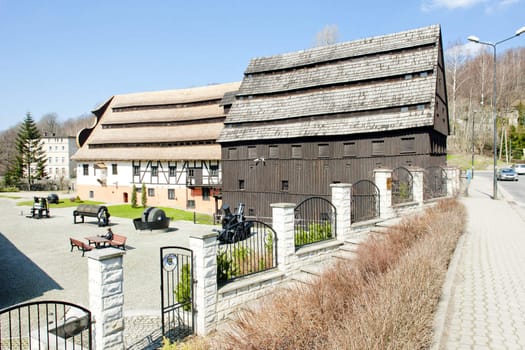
x=304, y=120
x=165, y=140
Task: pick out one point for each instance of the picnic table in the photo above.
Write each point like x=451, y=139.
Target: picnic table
x=97, y=241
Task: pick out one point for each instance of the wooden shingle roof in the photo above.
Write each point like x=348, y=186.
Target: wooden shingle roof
x=165, y=125
x=353, y=87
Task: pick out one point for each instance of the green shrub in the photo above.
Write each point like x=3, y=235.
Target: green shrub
x=134, y=196
x=183, y=289
x=314, y=233
x=225, y=267
x=143, y=196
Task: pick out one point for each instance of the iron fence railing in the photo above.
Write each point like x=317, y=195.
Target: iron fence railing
x=45, y=325
x=254, y=253
x=314, y=221
x=365, y=201
x=402, y=186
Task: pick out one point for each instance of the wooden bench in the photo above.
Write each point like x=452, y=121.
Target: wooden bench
x=118, y=241
x=97, y=211
x=80, y=245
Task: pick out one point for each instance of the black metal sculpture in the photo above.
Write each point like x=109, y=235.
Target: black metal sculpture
x=40, y=208
x=235, y=228
x=152, y=219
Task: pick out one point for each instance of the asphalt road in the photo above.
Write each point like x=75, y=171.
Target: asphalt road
x=516, y=189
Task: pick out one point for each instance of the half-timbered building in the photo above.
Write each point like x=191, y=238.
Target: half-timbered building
x=304, y=120
x=165, y=140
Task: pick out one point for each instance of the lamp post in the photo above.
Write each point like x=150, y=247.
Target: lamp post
x=475, y=39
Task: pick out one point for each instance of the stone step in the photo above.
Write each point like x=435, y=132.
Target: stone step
x=345, y=255
x=304, y=277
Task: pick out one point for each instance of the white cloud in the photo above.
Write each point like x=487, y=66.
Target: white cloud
x=469, y=49
x=490, y=6
x=429, y=5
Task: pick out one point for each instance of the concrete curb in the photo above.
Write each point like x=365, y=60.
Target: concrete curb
x=446, y=294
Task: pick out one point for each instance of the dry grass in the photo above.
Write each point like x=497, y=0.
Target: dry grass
x=385, y=300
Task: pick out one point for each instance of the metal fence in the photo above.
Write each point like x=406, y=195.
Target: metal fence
x=176, y=285
x=434, y=183
x=256, y=252
x=402, y=185
x=45, y=325
x=365, y=201
x=315, y=221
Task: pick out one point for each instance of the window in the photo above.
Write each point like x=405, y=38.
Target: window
x=420, y=107
x=232, y=153
x=62, y=160
x=378, y=148
x=85, y=169
x=91, y=194
x=205, y=193
x=50, y=160
x=407, y=145
x=252, y=152
x=349, y=149
x=191, y=172
x=251, y=212
x=273, y=151
x=171, y=193
x=136, y=170
x=214, y=170
x=408, y=76
x=190, y=204
x=241, y=184
x=151, y=192
x=323, y=150
x=50, y=171
x=404, y=109
x=284, y=185
x=297, y=151
x=172, y=170
x=114, y=170
x=63, y=148
x=154, y=170
x=50, y=148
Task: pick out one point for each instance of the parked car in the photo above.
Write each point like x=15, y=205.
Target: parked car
x=519, y=168
x=507, y=174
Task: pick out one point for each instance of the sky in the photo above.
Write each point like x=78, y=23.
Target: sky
x=67, y=57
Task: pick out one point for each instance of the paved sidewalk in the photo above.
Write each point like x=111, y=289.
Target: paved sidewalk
x=483, y=306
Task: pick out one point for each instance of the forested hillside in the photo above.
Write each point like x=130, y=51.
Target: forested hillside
x=470, y=86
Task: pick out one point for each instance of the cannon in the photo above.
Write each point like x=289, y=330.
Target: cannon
x=234, y=226
x=152, y=219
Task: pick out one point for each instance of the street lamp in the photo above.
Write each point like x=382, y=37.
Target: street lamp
x=475, y=39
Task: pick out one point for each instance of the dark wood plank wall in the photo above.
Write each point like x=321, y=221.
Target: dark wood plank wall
x=311, y=175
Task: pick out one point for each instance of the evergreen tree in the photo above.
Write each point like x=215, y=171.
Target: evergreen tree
x=133, y=196
x=30, y=162
x=144, y=197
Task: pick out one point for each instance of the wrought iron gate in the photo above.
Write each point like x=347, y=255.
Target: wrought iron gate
x=365, y=201
x=434, y=182
x=45, y=325
x=314, y=221
x=176, y=285
x=402, y=184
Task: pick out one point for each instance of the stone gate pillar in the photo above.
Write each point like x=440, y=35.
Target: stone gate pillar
x=106, y=297
x=417, y=184
x=204, y=247
x=383, y=181
x=341, y=199
x=283, y=224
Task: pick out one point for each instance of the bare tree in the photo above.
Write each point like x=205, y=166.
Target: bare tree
x=327, y=36
x=48, y=124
